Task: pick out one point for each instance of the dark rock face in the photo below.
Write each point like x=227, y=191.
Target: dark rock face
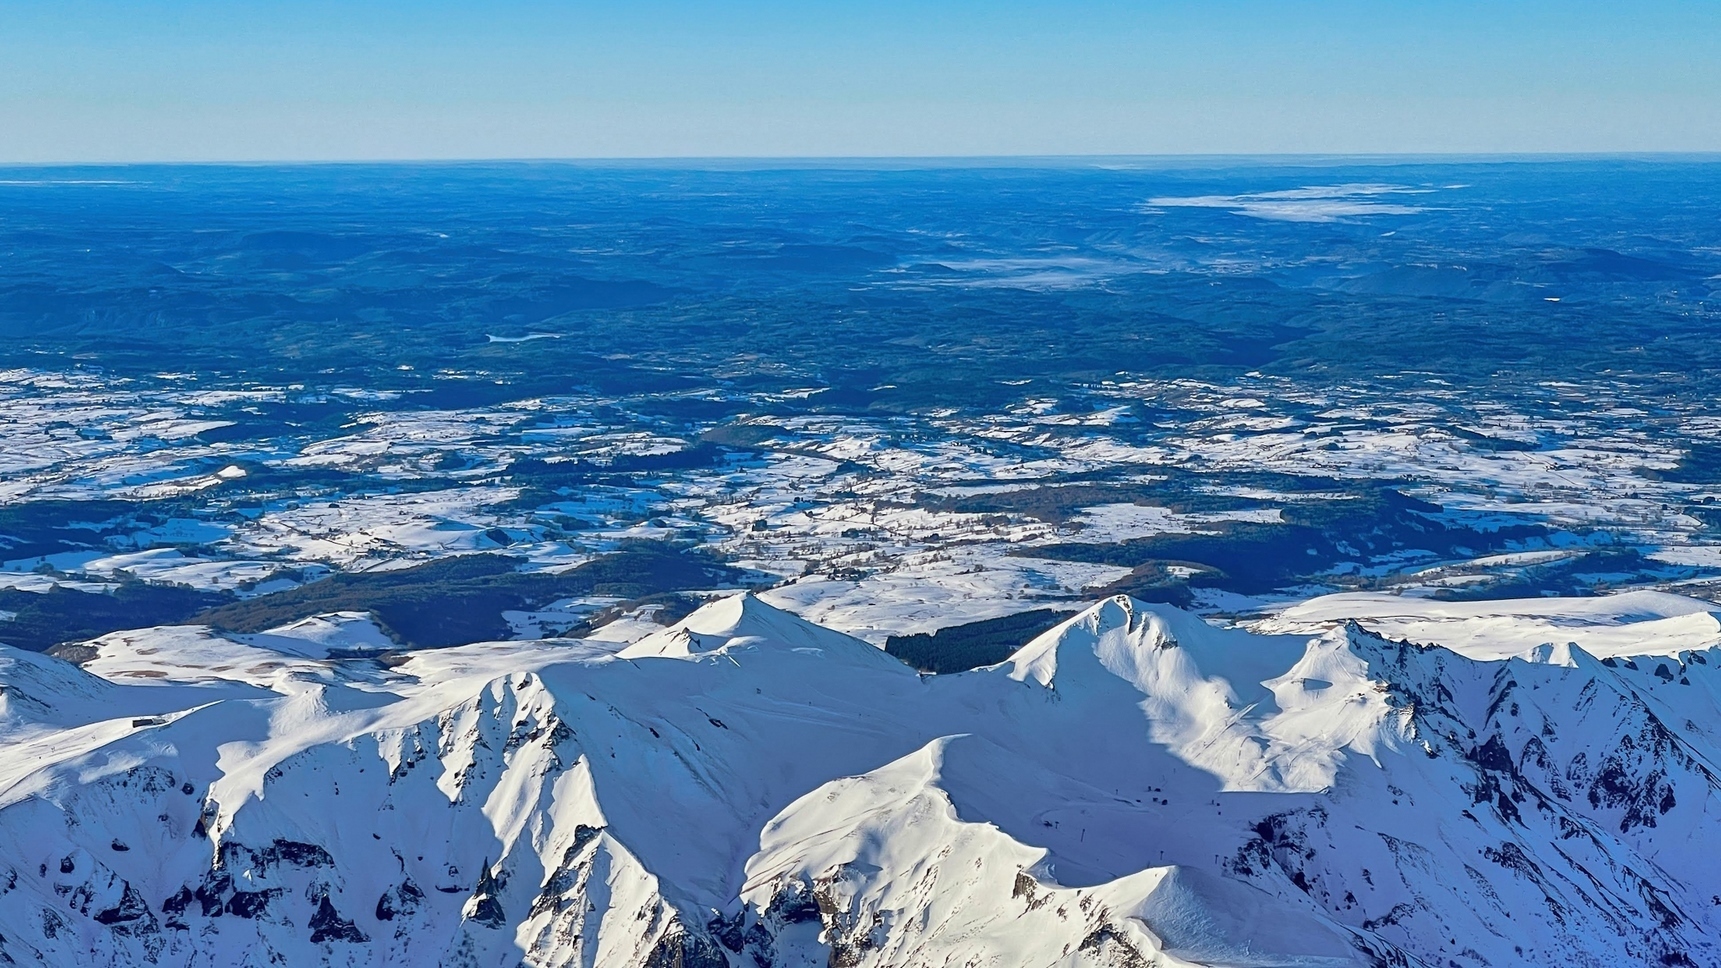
x=728, y=931
x=562, y=883
x=1106, y=942
x=212, y=892
x=297, y=854
x=175, y=906
x=486, y=908
x=251, y=904
x=277, y=853
x=327, y=925
x=793, y=904
x=131, y=909
x=679, y=948
x=402, y=901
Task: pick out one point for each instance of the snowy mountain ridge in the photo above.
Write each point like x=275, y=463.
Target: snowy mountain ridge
x=1134, y=787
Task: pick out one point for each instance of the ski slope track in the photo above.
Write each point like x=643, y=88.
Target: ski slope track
x=746, y=789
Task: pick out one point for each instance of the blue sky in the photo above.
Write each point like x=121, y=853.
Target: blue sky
x=118, y=80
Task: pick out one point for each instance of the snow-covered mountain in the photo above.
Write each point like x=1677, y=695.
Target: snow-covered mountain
x=1134, y=787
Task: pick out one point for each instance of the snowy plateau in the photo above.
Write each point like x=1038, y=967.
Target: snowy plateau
x=1134, y=787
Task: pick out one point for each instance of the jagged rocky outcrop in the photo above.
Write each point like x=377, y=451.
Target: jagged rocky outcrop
x=1133, y=788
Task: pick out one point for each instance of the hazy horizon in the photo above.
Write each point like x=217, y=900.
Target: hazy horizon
x=193, y=80
x=1145, y=161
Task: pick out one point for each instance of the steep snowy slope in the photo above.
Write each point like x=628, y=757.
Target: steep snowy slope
x=1134, y=787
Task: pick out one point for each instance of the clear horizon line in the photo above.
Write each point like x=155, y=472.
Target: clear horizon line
x=935, y=160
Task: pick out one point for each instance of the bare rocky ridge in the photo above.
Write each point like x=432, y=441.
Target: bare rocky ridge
x=1134, y=787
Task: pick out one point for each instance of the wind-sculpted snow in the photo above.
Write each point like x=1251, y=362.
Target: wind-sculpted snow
x=747, y=790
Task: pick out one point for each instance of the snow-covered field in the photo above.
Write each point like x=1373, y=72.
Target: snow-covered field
x=852, y=510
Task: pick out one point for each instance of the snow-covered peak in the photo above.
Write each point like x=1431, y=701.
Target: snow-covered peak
x=321, y=636
x=1156, y=648
x=911, y=836
x=1114, y=627
x=1134, y=787
x=742, y=622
